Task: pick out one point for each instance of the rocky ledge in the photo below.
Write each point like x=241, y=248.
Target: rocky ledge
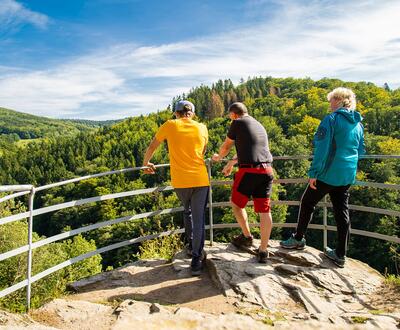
x=299, y=284
x=300, y=289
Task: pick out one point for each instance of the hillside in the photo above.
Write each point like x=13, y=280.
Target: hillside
x=17, y=125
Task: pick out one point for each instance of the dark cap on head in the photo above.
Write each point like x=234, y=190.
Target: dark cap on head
x=184, y=106
x=238, y=108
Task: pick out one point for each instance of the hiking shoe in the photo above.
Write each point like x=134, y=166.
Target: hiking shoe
x=331, y=254
x=197, y=264
x=262, y=256
x=188, y=250
x=242, y=240
x=293, y=243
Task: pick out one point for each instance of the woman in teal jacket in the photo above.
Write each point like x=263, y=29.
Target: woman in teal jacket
x=338, y=143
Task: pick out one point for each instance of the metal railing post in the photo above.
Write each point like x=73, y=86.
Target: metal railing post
x=210, y=204
x=325, y=223
x=30, y=232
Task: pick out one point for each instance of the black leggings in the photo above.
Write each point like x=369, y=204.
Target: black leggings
x=340, y=201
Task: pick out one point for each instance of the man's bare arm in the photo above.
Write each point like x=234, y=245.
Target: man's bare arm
x=149, y=154
x=224, y=149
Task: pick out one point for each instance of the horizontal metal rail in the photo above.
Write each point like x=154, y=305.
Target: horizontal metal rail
x=12, y=196
x=84, y=201
x=298, y=157
x=380, y=157
x=61, y=206
x=126, y=170
x=81, y=230
x=378, y=185
x=14, y=288
x=16, y=188
x=20, y=190
x=302, y=180
x=97, y=175
x=367, y=209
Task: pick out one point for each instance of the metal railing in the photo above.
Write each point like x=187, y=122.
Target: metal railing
x=21, y=190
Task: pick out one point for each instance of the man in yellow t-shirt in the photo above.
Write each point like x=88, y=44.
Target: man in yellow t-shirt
x=187, y=140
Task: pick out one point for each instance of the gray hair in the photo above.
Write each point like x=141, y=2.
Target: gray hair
x=345, y=96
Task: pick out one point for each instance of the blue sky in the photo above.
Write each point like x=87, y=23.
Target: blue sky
x=109, y=59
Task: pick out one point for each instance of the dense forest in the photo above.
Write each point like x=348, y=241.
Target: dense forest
x=290, y=109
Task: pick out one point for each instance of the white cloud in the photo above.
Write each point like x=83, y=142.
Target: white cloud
x=12, y=14
x=350, y=40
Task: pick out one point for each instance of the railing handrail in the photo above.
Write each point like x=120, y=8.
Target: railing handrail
x=61, y=206
x=16, y=188
x=84, y=229
x=30, y=189
x=131, y=169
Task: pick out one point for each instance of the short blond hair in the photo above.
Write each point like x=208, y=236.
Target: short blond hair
x=345, y=96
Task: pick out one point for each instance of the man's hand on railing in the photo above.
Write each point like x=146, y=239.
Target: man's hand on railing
x=216, y=158
x=151, y=169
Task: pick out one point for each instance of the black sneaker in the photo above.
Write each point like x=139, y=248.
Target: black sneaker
x=242, y=241
x=262, y=256
x=196, y=266
x=197, y=263
x=331, y=254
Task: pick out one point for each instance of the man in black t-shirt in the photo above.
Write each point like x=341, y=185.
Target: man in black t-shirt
x=254, y=178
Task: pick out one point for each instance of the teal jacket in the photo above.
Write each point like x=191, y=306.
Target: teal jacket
x=338, y=143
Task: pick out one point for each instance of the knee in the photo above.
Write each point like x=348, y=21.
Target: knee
x=308, y=202
x=234, y=206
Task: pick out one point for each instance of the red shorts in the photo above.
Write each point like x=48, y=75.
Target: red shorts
x=256, y=183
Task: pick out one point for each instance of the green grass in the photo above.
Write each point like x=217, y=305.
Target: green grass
x=393, y=280
x=163, y=247
x=359, y=319
x=263, y=315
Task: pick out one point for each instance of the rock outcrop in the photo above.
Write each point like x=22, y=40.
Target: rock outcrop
x=295, y=289
x=297, y=284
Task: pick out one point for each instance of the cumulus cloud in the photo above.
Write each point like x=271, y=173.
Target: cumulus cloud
x=349, y=40
x=13, y=14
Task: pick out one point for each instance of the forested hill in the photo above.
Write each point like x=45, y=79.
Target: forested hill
x=289, y=100
x=17, y=125
x=290, y=110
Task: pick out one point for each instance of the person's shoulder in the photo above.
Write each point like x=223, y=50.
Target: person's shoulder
x=252, y=121
x=329, y=119
x=170, y=122
x=249, y=119
x=167, y=125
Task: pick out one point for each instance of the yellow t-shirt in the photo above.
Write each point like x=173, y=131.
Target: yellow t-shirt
x=186, y=140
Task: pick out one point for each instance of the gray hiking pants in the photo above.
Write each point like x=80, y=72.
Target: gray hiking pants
x=194, y=201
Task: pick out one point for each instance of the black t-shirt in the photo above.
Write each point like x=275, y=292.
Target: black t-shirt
x=251, y=141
